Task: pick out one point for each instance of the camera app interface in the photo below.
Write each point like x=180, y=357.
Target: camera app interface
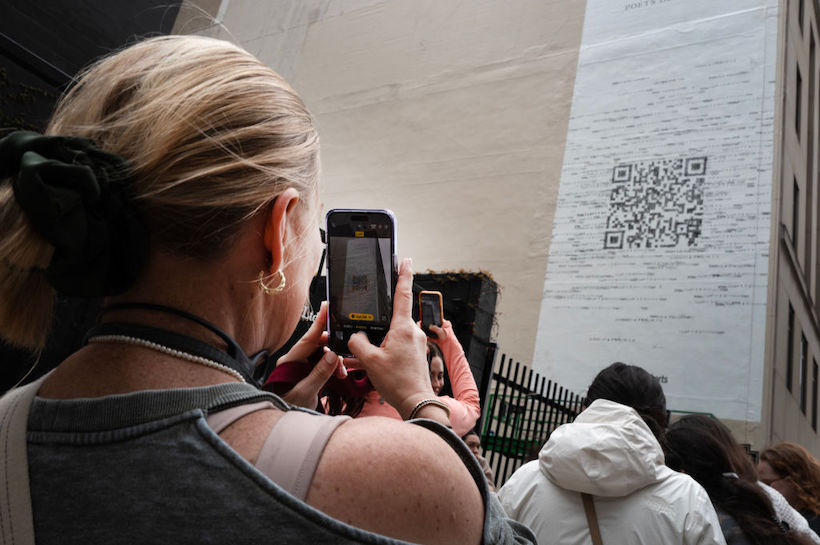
x=430, y=312
x=360, y=259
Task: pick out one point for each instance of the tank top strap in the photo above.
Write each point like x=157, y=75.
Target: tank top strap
x=220, y=420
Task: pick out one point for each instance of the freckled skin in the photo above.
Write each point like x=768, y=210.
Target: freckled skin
x=439, y=501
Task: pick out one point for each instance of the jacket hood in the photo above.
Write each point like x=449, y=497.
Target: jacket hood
x=607, y=451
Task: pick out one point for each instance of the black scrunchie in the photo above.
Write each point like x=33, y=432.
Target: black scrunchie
x=77, y=197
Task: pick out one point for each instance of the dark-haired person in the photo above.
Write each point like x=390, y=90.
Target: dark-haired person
x=435, y=363
x=473, y=442
x=745, y=511
x=746, y=471
x=611, y=453
x=791, y=470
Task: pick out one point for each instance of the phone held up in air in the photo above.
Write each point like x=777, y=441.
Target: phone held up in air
x=430, y=310
x=362, y=271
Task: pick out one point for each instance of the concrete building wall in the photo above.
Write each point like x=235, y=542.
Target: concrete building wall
x=794, y=338
x=453, y=115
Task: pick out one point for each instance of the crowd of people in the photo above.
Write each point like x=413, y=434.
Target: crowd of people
x=178, y=178
x=620, y=469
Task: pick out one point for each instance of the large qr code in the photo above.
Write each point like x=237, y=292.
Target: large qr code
x=656, y=204
x=359, y=282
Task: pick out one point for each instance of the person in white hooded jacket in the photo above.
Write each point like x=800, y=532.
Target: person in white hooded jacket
x=611, y=452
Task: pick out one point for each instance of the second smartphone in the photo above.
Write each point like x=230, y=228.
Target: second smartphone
x=361, y=274
x=430, y=310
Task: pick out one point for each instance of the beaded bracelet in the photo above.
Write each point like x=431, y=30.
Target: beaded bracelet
x=429, y=401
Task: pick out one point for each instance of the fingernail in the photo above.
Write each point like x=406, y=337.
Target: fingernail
x=344, y=371
x=329, y=358
x=407, y=264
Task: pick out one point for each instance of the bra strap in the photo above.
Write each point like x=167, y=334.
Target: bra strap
x=293, y=448
x=291, y=451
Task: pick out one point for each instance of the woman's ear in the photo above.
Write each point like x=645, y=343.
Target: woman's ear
x=276, y=225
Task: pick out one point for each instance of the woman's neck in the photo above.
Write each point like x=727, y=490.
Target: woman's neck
x=219, y=292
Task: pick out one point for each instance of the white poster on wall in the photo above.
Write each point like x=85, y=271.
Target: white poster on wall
x=659, y=250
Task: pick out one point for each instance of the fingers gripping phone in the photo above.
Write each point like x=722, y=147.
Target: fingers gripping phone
x=361, y=275
x=430, y=309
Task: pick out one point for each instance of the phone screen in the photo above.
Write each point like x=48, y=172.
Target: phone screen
x=428, y=313
x=430, y=310
x=361, y=275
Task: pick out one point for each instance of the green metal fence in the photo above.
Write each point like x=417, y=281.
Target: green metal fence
x=522, y=410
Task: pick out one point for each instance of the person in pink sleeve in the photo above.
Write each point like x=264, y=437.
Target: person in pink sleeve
x=464, y=403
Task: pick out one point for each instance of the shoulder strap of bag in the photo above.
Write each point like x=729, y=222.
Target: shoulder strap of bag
x=592, y=519
x=16, y=520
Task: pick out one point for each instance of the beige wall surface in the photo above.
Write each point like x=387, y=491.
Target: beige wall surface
x=452, y=114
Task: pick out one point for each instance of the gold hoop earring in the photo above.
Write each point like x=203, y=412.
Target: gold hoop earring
x=266, y=288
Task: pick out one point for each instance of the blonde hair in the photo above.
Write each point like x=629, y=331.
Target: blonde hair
x=212, y=136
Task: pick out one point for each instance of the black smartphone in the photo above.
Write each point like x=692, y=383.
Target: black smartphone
x=361, y=274
x=430, y=310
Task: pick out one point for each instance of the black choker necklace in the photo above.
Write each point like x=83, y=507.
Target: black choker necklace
x=233, y=360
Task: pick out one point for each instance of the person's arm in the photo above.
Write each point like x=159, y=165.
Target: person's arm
x=464, y=405
x=398, y=480
x=389, y=477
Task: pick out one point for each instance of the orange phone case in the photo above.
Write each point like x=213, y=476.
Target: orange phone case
x=440, y=305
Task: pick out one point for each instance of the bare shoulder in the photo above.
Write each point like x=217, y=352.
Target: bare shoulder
x=399, y=480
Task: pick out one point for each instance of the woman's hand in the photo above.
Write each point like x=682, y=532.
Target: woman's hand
x=441, y=334
x=310, y=347
x=398, y=368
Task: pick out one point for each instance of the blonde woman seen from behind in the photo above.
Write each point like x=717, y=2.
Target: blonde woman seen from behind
x=179, y=180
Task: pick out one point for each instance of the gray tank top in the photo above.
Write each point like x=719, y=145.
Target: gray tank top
x=147, y=467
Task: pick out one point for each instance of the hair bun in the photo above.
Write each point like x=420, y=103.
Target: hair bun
x=76, y=197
